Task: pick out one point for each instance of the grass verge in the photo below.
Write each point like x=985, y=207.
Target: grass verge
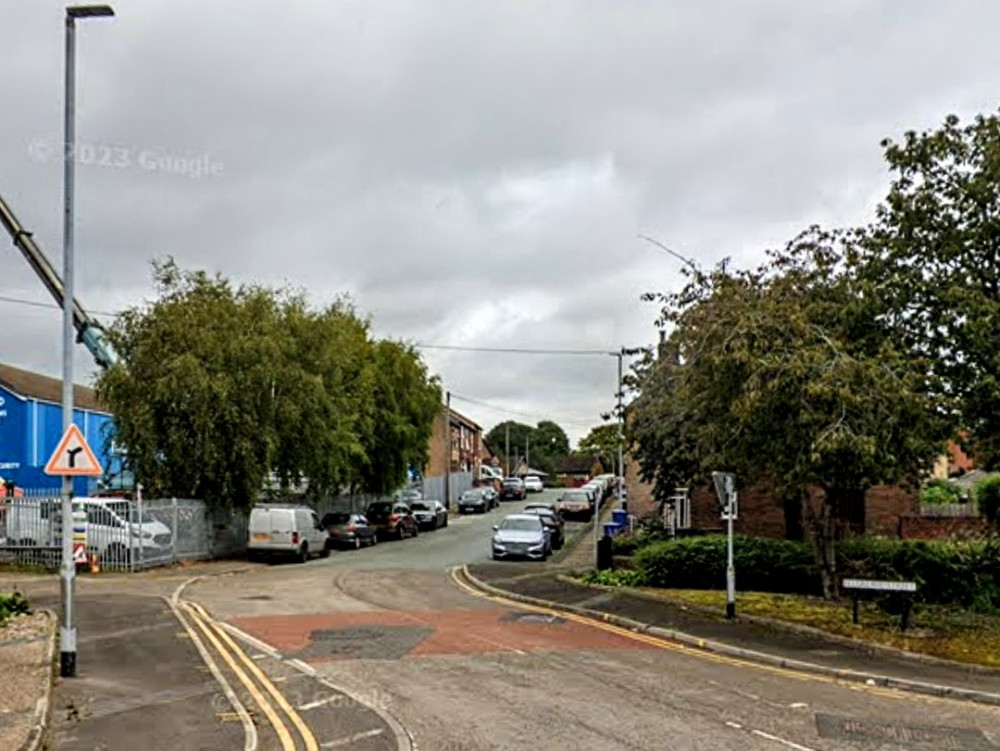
x=937, y=631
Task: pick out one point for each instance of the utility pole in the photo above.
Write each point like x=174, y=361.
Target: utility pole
x=447, y=461
x=506, y=452
x=67, y=633
x=527, y=452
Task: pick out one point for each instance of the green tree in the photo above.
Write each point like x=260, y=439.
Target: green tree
x=406, y=402
x=602, y=442
x=223, y=388
x=520, y=435
x=782, y=374
x=933, y=258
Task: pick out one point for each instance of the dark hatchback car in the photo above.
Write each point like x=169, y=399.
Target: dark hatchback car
x=392, y=520
x=513, y=490
x=473, y=502
x=349, y=530
x=429, y=514
x=553, y=523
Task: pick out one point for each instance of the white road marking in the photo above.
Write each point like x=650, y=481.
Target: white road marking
x=353, y=738
x=303, y=667
x=776, y=739
x=798, y=705
x=317, y=703
x=734, y=725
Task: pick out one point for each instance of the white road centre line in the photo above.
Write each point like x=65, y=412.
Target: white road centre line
x=316, y=704
x=352, y=739
x=782, y=741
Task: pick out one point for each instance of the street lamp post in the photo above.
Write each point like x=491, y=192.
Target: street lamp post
x=67, y=634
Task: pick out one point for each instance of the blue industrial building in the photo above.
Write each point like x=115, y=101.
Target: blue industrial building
x=31, y=426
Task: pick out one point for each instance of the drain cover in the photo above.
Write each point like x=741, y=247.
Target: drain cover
x=534, y=618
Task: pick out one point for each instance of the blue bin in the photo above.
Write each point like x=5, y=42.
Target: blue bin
x=620, y=517
x=610, y=529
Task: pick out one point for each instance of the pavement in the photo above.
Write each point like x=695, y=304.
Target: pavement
x=787, y=646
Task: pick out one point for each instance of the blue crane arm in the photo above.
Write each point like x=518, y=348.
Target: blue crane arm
x=89, y=332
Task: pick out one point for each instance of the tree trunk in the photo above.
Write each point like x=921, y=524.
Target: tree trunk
x=821, y=531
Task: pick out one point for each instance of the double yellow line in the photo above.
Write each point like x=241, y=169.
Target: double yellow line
x=270, y=699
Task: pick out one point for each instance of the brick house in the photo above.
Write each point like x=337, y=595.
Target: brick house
x=466, y=445
x=887, y=510
x=573, y=471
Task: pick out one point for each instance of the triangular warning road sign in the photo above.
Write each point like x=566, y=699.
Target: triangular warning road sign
x=73, y=456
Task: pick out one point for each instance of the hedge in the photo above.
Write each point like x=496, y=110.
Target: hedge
x=946, y=572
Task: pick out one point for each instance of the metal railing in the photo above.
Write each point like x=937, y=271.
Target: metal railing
x=124, y=535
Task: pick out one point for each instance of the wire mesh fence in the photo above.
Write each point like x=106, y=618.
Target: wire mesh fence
x=117, y=534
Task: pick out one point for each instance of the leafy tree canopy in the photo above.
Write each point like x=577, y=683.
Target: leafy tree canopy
x=222, y=388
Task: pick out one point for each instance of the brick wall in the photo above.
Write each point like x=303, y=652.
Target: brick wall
x=885, y=505
x=760, y=512
x=941, y=527
x=640, y=494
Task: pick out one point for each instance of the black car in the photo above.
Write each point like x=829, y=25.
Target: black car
x=473, y=502
x=513, y=490
x=429, y=514
x=553, y=523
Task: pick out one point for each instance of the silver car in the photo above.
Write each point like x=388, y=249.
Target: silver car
x=521, y=536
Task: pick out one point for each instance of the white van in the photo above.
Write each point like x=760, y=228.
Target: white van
x=286, y=530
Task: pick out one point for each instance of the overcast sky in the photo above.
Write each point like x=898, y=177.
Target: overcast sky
x=472, y=173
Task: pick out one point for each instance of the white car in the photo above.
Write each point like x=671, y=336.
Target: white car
x=286, y=530
x=533, y=484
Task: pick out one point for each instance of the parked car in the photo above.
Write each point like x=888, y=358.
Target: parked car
x=521, y=536
x=473, y=502
x=554, y=522
x=408, y=495
x=349, y=530
x=576, y=503
x=286, y=530
x=392, y=520
x=429, y=514
x=553, y=507
x=513, y=490
x=533, y=484
x=595, y=491
x=491, y=495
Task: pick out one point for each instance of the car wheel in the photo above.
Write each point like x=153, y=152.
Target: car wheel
x=373, y=540
x=400, y=532
x=416, y=530
x=445, y=522
x=303, y=556
x=434, y=524
x=357, y=542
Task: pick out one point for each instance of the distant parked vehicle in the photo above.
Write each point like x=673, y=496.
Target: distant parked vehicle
x=576, y=503
x=349, y=530
x=392, y=520
x=553, y=522
x=533, y=484
x=513, y=490
x=553, y=507
x=429, y=514
x=408, y=495
x=473, y=502
x=491, y=495
x=521, y=536
x=286, y=530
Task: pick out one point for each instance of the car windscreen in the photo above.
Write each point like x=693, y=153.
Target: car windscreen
x=379, y=510
x=419, y=507
x=512, y=483
x=471, y=495
x=336, y=518
x=576, y=497
x=521, y=525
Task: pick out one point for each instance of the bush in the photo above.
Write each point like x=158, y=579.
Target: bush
x=762, y=565
x=965, y=573
x=987, y=494
x=938, y=492
x=11, y=605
